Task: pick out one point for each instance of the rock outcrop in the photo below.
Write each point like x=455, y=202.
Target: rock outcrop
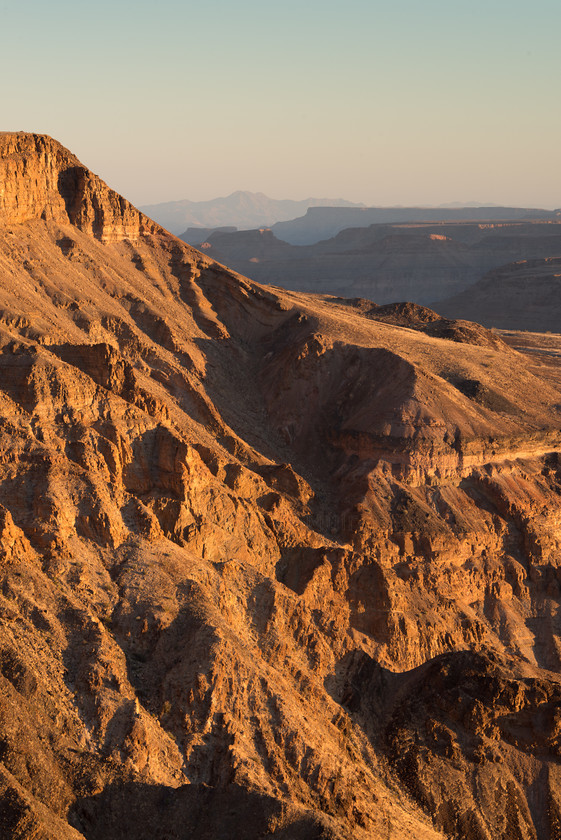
x=272, y=565
x=40, y=179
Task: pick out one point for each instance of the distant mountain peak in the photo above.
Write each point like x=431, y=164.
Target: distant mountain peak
x=242, y=209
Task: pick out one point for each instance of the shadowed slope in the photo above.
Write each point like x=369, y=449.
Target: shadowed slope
x=525, y=295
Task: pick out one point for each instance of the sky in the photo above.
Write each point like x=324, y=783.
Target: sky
x=384, y=103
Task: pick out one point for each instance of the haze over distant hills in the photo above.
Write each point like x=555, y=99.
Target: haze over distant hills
x=324, y=222
x=241, y=209
x=423, y=263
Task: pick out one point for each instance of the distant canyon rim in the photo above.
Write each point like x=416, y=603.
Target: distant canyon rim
x=434, y=263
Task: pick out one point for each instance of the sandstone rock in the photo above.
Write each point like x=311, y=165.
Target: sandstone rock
x=42, y=180
x=272, y=564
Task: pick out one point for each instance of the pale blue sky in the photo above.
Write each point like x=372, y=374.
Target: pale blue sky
x=401, y=103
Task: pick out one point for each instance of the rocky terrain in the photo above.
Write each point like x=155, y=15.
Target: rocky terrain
x=523, y=295
x=422, y=262
x=272, y=564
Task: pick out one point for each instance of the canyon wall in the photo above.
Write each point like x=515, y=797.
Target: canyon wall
x=422, y=262
x=272, y=565
x=40, y=179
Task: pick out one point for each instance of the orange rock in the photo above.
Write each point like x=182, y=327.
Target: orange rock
x=272, y=564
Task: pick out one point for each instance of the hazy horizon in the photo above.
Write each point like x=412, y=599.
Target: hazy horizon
x=444, y=205
x=408, y=104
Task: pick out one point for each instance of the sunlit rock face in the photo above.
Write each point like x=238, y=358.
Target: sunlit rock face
x=271, y=564
x=40, y=179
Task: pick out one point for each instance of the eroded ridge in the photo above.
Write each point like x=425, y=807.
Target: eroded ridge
x=272, y=564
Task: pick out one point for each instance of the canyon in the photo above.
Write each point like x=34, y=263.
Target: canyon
x=273, y=564
x=322, y=223
x=424, y=262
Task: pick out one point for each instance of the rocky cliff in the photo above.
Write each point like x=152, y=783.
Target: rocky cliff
x=272, y=565
x=40, y=179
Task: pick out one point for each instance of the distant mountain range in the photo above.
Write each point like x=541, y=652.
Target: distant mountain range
x=312, y=219
x=241, y=209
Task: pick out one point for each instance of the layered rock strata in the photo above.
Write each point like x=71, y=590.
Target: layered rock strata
x=40, y=179
x=272, y=565
x=420, y=262
x=522, y=295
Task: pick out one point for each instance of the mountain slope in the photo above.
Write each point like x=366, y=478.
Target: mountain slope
x=273, y=565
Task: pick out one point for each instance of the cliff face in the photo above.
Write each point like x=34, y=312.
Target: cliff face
x=272, y=565
x=522, y=295
x=42, y=180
